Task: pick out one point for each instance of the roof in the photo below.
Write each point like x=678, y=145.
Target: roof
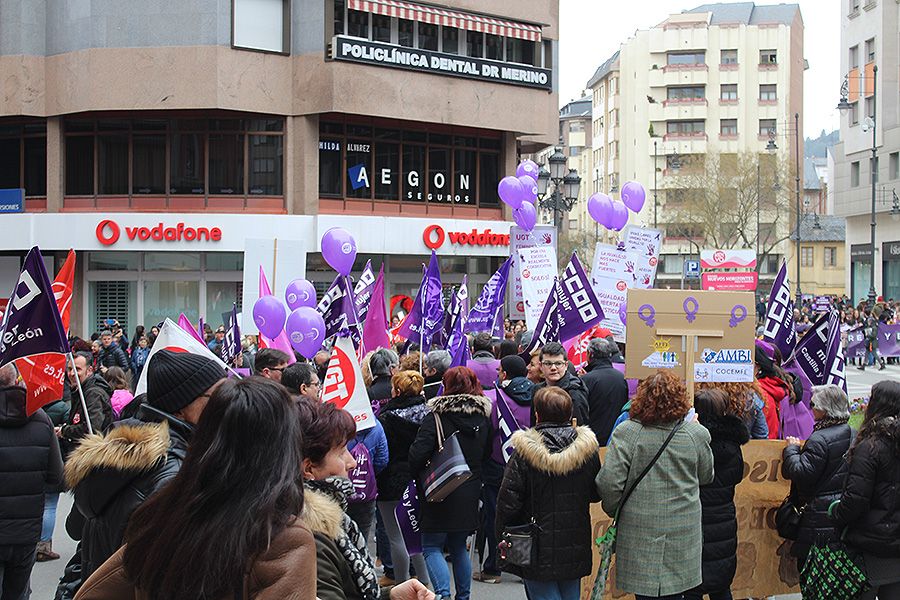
x=748, y=13
x=576, y=108
x=811, y=179
x=831, y=229
x=611, y=64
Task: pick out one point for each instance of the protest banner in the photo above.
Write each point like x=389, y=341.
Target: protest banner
x=646, y=243
x=541, y=235
x=764, y=564
x=779, y=324
x=821, y=304
x=538, y=269
x=344, y=387
x=728, y=259
x=888, y=340
x=856, y=343
x=613, y=273
x=730, y=282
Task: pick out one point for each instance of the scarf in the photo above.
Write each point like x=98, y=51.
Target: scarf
x=351, y=542
x=826, y=422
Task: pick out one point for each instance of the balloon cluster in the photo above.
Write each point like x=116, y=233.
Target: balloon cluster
x=613, y=214
x=520, y=193
x=304, y=326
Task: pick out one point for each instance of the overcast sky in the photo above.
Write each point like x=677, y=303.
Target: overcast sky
x=591, y=30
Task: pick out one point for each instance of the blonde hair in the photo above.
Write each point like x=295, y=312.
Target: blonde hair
x=408, y=383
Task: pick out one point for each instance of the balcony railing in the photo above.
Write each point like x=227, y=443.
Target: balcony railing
x=685, y=135
x=685, y=102
x=687, y=67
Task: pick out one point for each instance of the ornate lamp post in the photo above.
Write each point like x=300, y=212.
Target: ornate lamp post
x=565, y=185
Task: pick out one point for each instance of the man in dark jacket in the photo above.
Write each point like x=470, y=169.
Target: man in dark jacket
x=436, y=364
x=555, y=367
x=112, y=475
x=607, y=391
x=30, y=466
x=111, y=354
x=96, y=397
x=382, y=364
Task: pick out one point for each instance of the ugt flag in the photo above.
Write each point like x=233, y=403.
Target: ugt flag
x=487, y=314
x=344, y=386
x=174, y=338
x=779, y=327
x=427, y=315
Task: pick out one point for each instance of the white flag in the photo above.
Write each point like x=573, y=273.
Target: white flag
x=174, y=338
x=344, y=385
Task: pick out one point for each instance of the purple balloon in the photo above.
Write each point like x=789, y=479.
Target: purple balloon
x=525, y=216
x=619, y=216
x=306, y=330
x=528, y=168
x=633, y=195
x=623, y=312
x=600, y=208
x=268, y=314
x=339, y=250
x=300, y=292
x=511, y=192
x=529, y=189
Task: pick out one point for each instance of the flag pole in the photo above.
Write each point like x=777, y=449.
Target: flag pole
x=422, y=347
x=87, y=417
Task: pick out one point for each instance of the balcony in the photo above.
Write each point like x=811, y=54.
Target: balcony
x=728, y=101
x=768, y=66
x=685, y=102
x=729, y=67
x=671, y=75
x=691, y=136
x=671, y=111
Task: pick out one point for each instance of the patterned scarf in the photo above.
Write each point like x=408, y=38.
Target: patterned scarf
x=351, y=542
x=826, y=422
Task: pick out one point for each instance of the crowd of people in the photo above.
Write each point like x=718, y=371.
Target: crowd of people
x=248, y=481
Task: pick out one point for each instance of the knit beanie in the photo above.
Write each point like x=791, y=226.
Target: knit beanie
x=175, y=379
x=513, y=366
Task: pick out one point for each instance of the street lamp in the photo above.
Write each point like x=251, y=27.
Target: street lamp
x=566, y=186
x=844, y=105
x=771, y=146
x=895, y=208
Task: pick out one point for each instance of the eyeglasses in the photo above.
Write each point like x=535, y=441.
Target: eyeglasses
x=553, y=364
x=279, y=369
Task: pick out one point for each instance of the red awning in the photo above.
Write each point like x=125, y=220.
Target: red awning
x=449, y=18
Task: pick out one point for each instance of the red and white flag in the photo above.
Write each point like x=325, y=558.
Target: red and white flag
x=344, y=386
x=174, y=338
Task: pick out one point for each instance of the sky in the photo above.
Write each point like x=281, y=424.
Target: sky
x=592, y=30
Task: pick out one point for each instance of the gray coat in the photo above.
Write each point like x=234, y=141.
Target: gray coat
x=660, y=540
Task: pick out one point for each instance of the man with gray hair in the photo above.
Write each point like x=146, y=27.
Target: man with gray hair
x=607, y=389
x=436, y=364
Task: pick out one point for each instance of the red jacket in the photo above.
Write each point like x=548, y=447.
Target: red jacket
x=774, y=391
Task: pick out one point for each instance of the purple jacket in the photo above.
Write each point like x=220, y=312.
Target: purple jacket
x=485, y=367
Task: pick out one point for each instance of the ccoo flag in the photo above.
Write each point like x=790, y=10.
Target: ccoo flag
x=506, y=423
x=362, y=292
x=487, y=314
x=334, y=307
x=779, y=327
x=427, y=315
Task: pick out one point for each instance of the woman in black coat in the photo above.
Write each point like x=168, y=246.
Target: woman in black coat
x=817, y=469
x=550, y=479
x=869, y=509
x=462, y=409
x=728, y=434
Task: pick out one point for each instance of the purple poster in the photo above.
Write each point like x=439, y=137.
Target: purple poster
x=407, y=513
x=888, y=340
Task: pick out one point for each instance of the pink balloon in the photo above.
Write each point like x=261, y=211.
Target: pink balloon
x=339, y=250
x=528, y=168
x=633, y=195
x=268, y=314
x=619, y=216
x=511, y=192
x=600, y=207
x=306, y=330
x=529, y=189
x=300, y=292
x=525, y=216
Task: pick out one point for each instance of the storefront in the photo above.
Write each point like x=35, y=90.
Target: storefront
x=860, y=271
x=142, y=267
x=890, y=273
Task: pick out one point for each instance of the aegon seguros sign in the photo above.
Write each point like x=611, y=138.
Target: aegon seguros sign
x=109, y=232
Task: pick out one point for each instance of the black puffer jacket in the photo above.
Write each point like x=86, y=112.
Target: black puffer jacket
x=470, y=416
x=551, y=477
x=817, y=472
x=870, y=504
x=579, y=393
x=30, y=465
x=380, y=390
x=112, y=475
x=96, y=396
x=112, y=356
x=719, y=518
x=401, y=418
x=607, y=393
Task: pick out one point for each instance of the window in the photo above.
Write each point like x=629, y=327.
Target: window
x=728, y=127
x=23, y=157
x=80, y=166
x=768, y=57
x=768, y=92
x=853, y=116
x=406, y=33
x=149, y=164
x=830, y=256
x=728, y=91
x=519, y=51
x=854, y=174
x=226, y=163
x=266, y=165
x=685, y=127
x=854, y=57
x=729, y=57
x=474, y=44
x=686, y=93
x=870, y=107
x=854, y=6
x=381, y=28
x=261, y=25
x=807, y=256
x=676, y=197
x=686, y=58
x=450, y=40
x=767, y=127
x=576, y=126
x=672, y=264
x=493, y=47
x=358, y=23
x=894, y=165
x=428, y=36
x=870, y=50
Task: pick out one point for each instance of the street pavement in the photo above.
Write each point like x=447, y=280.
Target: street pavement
x=45, y=575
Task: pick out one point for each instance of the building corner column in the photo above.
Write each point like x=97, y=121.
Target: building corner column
x=303, y=181
x=55, y=170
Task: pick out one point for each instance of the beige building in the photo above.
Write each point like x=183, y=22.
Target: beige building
x=688, y=108
x=869, y=39
x=822, y=255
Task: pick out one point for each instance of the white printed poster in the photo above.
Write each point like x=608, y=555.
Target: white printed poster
x=538, y=271
x=541, y=235
x=646, y=243
x=614, y=270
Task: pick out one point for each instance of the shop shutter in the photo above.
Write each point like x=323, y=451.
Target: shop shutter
x=111, y=302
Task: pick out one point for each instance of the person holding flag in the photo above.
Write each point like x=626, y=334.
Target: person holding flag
x=97, y=394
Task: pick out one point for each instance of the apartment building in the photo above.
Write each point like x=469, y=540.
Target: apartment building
x=869, y=39
x=690, y=108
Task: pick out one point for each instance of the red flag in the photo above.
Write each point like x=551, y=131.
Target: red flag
x=44, y=374
x=578, y=347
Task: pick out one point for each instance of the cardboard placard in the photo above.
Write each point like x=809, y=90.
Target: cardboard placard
x=537, y=268
x=541, y=235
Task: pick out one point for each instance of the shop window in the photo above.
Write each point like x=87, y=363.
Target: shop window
x=428, y=36
x=387, y=170
x=171, y=261
x=149, y=164
x=359, y=169
x=450, y=40
x=358, y=23
x=112, y=164
x=166, y=298
x=330, y=167
x=226, y=164
x=113, y=261
x=519, y=51
x=381, y=28
x=438, y=171
x=672, y=264
x=493, y=47
x=225, y=261
x=186, y=161
x=261, y=25
x=406, y=33
x=220, y=297
x=474, y=44
x=413, y=168
x=80, y=166
x=266, y=165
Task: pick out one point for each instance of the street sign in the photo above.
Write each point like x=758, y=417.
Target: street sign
x=12, y=200
x=692, y=269
x=731, y=282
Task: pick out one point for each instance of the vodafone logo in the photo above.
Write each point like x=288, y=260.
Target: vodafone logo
x=434, y=237
x=718, y=256
x=108, y=233
x=621, y=286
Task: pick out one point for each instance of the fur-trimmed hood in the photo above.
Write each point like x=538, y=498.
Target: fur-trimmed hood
x=465, y=404
x=125, y=448
x=322, y=514
x=555, y=449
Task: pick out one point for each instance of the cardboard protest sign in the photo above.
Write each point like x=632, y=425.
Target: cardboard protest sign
x=613, y=272
x=538, y=270
x=644, y=242
x=662, y=324
x=541, y=235
x=764, y=564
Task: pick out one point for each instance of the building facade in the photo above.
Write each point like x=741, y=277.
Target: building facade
x=869, y=39
x=710, y=96
x=129, y=124
x=823, y=257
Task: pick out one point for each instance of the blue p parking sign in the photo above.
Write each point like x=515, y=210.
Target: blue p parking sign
x=692, y=269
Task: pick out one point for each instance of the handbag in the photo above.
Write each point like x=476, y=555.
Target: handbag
x=447, y=469
x=607, y=542
x=787, y=518
x=832, y=573
x=519, y=543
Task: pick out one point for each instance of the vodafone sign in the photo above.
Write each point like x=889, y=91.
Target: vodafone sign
x=109, y=232
x=434, y=237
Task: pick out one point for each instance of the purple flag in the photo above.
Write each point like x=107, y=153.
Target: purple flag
x=231, y=346
x=579, y=309
x=31, y=324
x=779, y=327
x=335, y=307
x=810, y=361
x=459, y=304
x=835, y=361
x=487, y=312
x=458, y=346
x=427, y=315
x=547, y=328
x=362, y=476
x=506, y=424
x=407, y=513
x=362, y=292
x=375, y=328
x=888, y=340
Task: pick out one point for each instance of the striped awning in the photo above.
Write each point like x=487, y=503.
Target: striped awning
x=448, y=18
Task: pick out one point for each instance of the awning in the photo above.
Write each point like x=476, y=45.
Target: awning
x=449, y=18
